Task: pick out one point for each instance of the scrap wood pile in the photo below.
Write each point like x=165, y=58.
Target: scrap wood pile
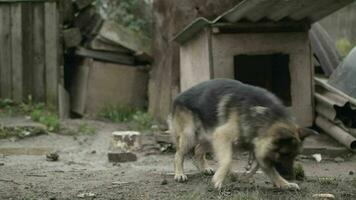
x=106, y=63
x=335, y=92
x=86, y=32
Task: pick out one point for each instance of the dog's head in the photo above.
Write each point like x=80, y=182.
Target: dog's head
x=287, y=144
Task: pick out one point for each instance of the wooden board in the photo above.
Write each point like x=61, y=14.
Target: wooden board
x=78, y=90
x=51, y=49
x=64, y=105
x=5, y=53
x=16, y=52
x=38, y=52
x=120, y=35
x=99, y=43
x=106, y=56
x=27, y=54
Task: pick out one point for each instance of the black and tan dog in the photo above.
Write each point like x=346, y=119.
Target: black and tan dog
x=216, y=114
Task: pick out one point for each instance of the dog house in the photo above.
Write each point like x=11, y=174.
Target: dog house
x=259, y=43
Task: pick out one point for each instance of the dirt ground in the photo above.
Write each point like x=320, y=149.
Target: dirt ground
x=83, y=172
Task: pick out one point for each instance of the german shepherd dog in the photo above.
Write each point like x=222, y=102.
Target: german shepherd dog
x=215, y=114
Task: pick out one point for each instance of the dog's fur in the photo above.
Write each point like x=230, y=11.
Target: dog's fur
x=216, y=114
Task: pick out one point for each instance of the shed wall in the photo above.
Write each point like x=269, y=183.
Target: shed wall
x=296, y=45
x=195, y=60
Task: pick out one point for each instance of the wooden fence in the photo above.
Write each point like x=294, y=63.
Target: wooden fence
x=29, y=50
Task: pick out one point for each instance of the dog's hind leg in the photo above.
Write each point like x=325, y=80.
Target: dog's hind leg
x=184, y=131
x=200, y=159
x=183, y=147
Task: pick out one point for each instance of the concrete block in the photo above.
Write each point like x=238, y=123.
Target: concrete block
x=121, y=157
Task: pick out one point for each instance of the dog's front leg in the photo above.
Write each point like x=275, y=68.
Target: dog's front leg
x=222, y=145
x=278, y=180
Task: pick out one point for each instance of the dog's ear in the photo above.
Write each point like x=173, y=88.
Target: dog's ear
x=285, y=136
x=306, y=132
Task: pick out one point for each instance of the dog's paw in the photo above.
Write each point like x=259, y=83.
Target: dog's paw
x=180, y=178
x=208, y=171
x=217, y=182
x=290, y=186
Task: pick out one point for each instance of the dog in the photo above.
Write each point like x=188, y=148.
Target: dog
x=215, y=114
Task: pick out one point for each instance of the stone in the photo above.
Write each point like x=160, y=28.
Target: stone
x=126, y=140
x=122, y=157
x=164, y=182
x=324, y=196
x=339, y=159
x=52, y=156
x=351, y=173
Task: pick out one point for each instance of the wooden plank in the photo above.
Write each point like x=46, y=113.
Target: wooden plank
x=120, y=35
x=63, y=102
x=99, y=43
x=5, y=53
x=107, y=56
x=51, y=49
x=79, y=86
x=260, y=27
x=27, y=24
x=16, y=52
x=38, y=53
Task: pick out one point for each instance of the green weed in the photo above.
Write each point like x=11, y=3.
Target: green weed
x=344, y=46
x=139, y=119
x=84, y=128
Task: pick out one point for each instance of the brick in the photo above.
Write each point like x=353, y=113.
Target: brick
x=122, y=157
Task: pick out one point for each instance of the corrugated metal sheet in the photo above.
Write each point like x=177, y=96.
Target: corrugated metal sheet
x=343, y=78
x=271, y=10
x=336, y=115
x=335, y=106
x=324, y=49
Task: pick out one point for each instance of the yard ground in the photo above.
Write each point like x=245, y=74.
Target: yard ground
x=83, y=170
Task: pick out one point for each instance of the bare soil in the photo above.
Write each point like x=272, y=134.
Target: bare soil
x=83, y=170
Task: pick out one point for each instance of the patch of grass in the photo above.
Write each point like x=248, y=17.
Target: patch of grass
x=50, y=120
x=142, y=120
x=84, y=128
x=37, y=111
x=20, y=132
x=299, y=172
x=137, y=118
x=118, y=113
x=7, y=107
x=327, y=180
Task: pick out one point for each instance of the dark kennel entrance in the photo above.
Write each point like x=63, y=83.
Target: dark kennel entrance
x=267, y=71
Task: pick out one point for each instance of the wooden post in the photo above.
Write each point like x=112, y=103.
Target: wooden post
x=16, y=52
x=51, y=57
x=38, y=53
x=5, y=52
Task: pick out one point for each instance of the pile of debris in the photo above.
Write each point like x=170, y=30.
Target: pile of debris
x=107, y=63
x=336, y=100
x=86, y=31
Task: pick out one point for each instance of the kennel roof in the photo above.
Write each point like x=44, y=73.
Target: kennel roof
x=267, y=10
